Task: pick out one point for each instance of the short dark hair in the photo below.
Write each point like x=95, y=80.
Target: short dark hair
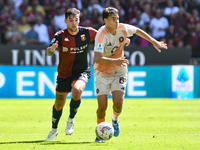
x=108, y=12
x=71, y=11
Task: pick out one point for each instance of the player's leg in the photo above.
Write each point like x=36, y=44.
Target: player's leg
x=118, y=92
x=62, y=90
x=56, y=114
x=78, y=84
x=102, y=85
x=77, y=88
x=101, y=111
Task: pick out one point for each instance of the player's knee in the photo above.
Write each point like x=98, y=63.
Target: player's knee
x=59, y=106
x=118, y=104
x=102, y=108
x=76, y=93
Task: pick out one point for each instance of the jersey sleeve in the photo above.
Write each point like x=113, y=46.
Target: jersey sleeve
x=130, y=29
x=92, y=33
x=100, y=42
x=57, y=37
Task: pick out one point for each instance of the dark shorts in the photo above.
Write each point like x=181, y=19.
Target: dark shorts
x=64, y=84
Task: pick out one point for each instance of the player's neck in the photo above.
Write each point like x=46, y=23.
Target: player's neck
x=72, y=33
x=111, y=30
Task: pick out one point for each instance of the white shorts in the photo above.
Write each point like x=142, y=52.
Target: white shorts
x=106, y=84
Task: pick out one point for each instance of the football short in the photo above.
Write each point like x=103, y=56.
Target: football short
x=106, y=84
x=64, y=84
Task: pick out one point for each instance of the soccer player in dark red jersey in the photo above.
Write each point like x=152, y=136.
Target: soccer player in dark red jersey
x=73, y=69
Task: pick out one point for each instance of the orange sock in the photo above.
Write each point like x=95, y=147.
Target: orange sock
x=101, y=120
x=115, y=115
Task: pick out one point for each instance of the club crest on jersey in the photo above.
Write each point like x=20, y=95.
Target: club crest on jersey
x=83, y=38
x=121, y=39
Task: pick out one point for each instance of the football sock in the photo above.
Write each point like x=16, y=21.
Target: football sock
x=74, y=105
x=101, y=120
x=115, y=115
x=56, y=117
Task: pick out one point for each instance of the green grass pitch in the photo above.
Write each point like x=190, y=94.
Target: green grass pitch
x=146, y=124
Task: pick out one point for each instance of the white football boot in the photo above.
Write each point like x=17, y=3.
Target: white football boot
x=70, y=126
x=52, y=134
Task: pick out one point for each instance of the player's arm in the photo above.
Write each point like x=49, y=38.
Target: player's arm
x=155, y=43
x=55, y=42
x=99, y=58
x=52, y=48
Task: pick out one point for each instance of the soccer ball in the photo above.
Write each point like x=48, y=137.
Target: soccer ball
x=104, y=131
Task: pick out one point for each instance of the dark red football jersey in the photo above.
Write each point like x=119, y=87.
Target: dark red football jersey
x=73, y=50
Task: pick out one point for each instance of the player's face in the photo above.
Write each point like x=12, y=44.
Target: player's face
x=72, y=24
x=112, y=22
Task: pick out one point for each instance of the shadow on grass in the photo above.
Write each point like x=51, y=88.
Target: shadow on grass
x=43, y=142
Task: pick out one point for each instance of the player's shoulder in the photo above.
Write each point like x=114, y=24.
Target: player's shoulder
x=60, y=32
x=86, y=29
x=123, y=26
x=102, y=31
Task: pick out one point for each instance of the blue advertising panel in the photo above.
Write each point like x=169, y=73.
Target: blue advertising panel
x=40, y=81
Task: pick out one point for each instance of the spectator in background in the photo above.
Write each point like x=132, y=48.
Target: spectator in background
x=182, y=39
x=198, y=38
x=170, y=9
x=85, y=20
x=96, y=19
x=131, y=8
x=146, y=14
x=13, y=36
x=34, y=11
x=59, y=23
x=194, y=19
x=52, y=29
x=121, y=11
x=24, y=5
x=1, y=5
x=11, y=5
x=23, y=24
x=42, y=30
x=170, y=35
x=193, y=39
x=180, y=18
x=50, y=7
x=158, y=25
x=94, y=4
x=32, y=37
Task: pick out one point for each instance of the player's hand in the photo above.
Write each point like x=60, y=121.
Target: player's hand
x=159, y=45
x=127, y=42
x=121, y=61
x=54, y=46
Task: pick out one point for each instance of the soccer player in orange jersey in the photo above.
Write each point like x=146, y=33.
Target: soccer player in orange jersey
x=111, y=65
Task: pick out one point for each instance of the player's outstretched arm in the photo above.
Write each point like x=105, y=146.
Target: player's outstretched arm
x=52, y=48
x=155, y=43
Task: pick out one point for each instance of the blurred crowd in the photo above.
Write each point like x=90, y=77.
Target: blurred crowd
x=176, y=22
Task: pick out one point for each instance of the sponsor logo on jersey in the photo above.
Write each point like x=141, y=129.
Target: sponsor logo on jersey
x=121, y=39
x=66, y=39
x=100, y=47
x=83, y=37
x=78, y=49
